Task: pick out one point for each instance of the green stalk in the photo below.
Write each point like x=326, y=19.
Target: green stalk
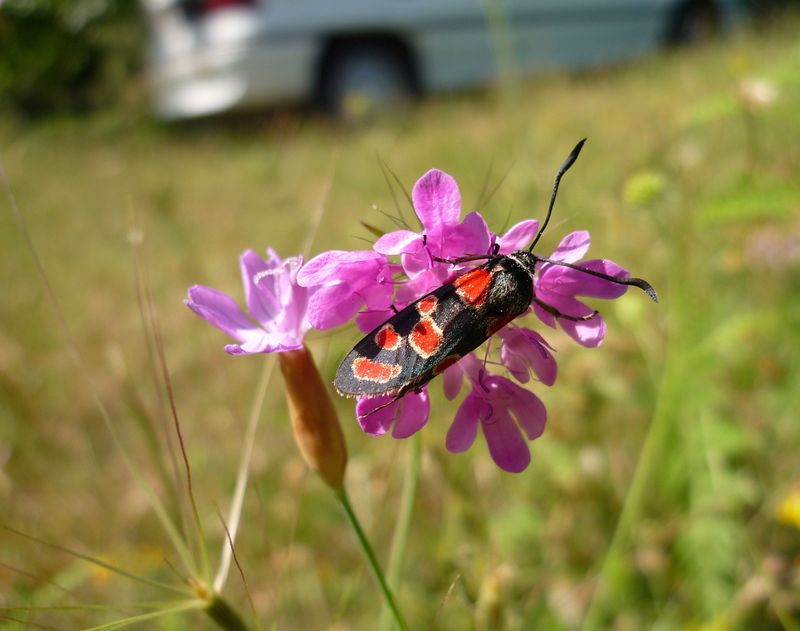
x=224, y=615
x=400, y=537
x=341, y=494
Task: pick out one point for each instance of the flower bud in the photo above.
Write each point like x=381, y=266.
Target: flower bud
x=314, y=421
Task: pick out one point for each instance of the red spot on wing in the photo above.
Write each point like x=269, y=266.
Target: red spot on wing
x=387, y=338
x=368, y=370
x=425, y=337
x=427, y=305
x=445, y=364
x=473, y=286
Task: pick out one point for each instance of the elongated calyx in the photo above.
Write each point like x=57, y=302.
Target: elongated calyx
x=314, y=422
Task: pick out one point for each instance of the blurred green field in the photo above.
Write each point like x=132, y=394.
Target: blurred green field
x=661, y=493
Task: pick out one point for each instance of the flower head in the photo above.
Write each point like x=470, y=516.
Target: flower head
x=277, y=322
x=276, y=306
x=367, y=285
x=503, y=410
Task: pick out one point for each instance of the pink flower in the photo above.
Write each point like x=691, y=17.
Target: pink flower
x=437, y=203
x=558, y=287
x=524, y=351
x=276, y=306
x=504, y=411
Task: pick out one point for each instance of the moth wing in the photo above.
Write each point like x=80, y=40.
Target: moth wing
x=403, y=352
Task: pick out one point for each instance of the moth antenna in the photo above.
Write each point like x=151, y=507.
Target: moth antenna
x=635, y=282
x=564, y=168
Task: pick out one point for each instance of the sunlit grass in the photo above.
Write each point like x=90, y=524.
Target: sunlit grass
x=694, y=399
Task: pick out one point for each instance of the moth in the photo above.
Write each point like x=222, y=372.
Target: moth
x=429, y=335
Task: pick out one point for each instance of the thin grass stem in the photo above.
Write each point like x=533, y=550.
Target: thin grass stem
x=124, y=622
x=98, y=562
x=403, y=527
x=373, y=560
x=235, y=513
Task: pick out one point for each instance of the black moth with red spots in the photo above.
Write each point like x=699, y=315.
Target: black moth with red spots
x=421, y=341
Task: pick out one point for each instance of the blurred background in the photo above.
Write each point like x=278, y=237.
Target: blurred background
x=149, y=144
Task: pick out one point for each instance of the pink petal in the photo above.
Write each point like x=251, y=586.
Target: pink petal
x=331, y=306
x=577, y=283
x=515, y=362
x=462, y=432
x=220, y=310
x=529, y=411
x=376, y=423
x=471, y=236
x=589, y=333
x=506, y=445
x=518, y=236
x=266, y=343
x=261, y=297
x=412, y=290
x=437, y=202
x=369, y=319
x=536, y=351
x=544, y=316
x=416, y=263
x=336, y=266
x=572, y=248
x=451, y=381
x=414, y=411
x=398, y=242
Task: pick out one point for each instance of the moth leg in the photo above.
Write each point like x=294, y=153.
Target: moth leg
x=380, y=407
x=556, y=313
x=464, y=259
x=393, y=308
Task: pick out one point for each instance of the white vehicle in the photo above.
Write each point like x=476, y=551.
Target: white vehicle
x=212, y=56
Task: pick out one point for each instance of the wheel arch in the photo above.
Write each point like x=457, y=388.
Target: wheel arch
x=337, y=43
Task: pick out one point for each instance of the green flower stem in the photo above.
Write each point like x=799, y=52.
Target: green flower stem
x=225, y=617
x=400, y=538
x=373, y=561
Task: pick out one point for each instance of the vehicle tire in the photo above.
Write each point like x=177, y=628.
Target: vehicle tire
x=696, y=21
x=360, y=81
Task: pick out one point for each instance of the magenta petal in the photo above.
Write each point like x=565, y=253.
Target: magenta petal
x=336, y=266
x=221, y=310
x=577, y=283
x=331, y=306
x=260, y=297
x=506, y=445
x=544, y=316
x=535, y=351
x=529, y=411
x=414, y=411
x=589, y=333
x=471, y=236
x=398, y=242
x=416, y=263
x=370, y=319
x=462, y=432
x=518, y=236
x=451, y=381
x=266, y=343
x=437, y=202
x=573, y=247
x=516, y=363
x=376, y=423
